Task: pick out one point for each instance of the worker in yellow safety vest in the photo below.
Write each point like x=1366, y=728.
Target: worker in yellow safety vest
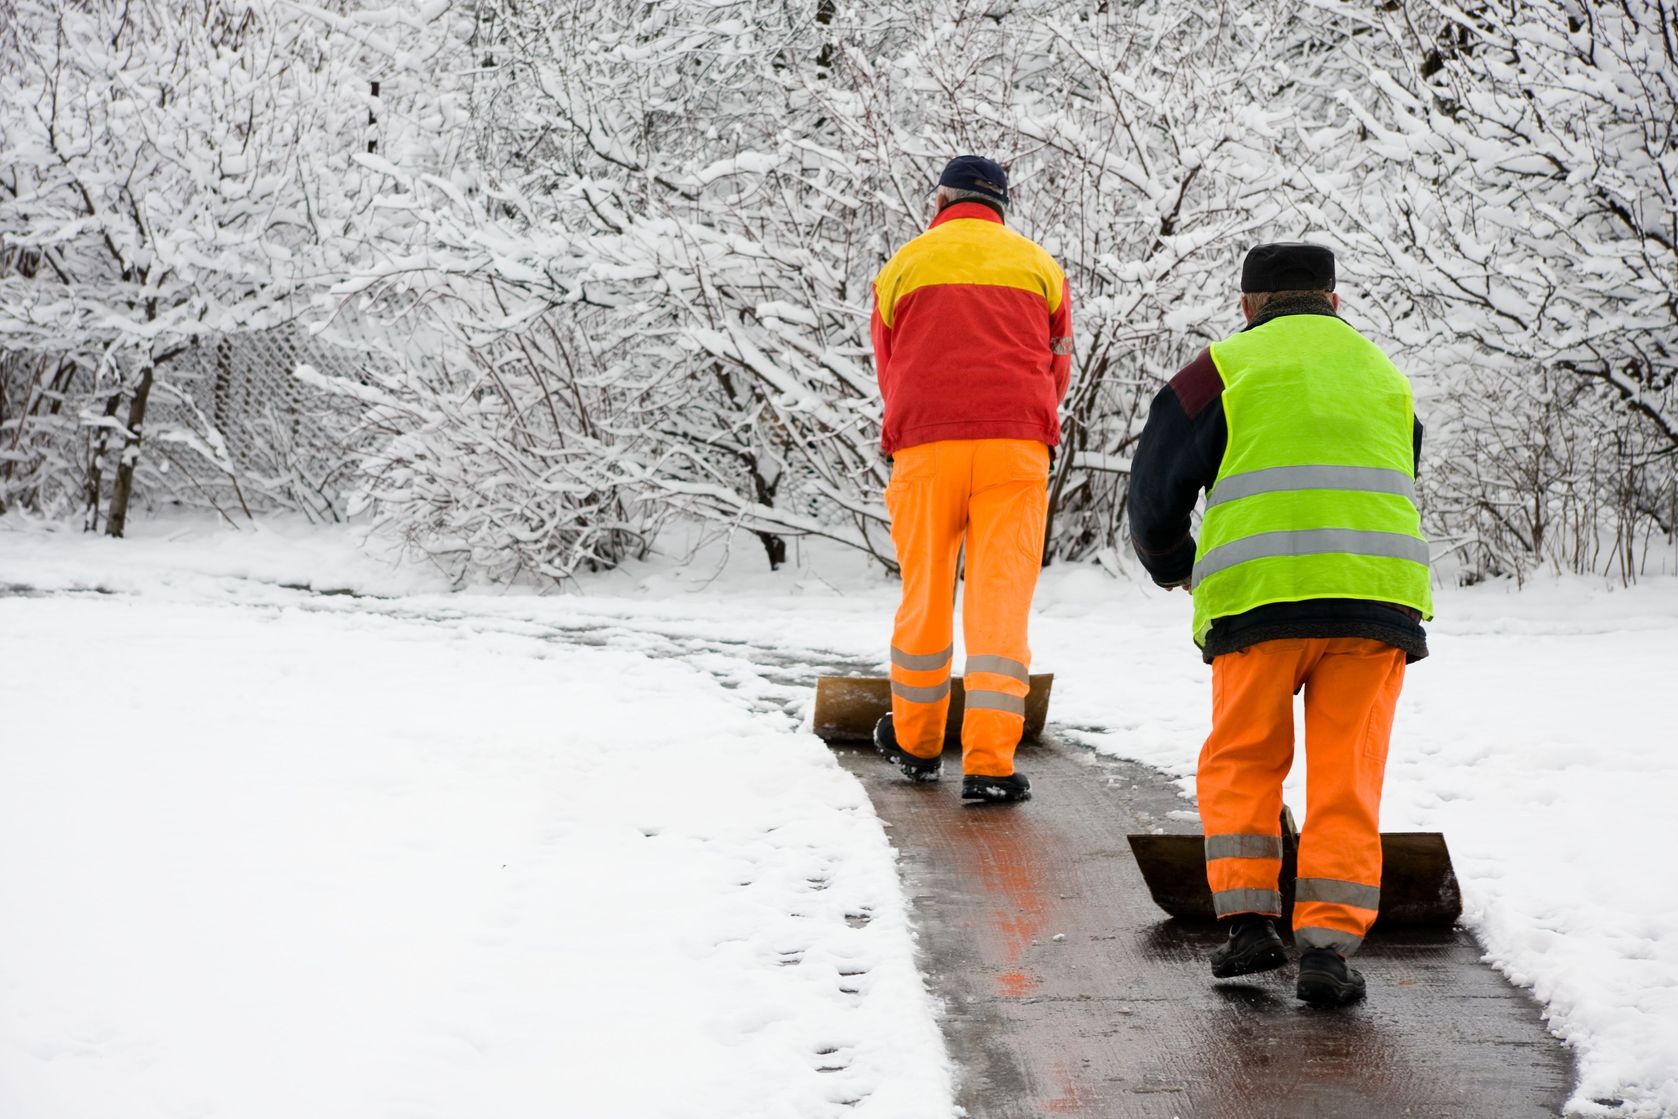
x=1310, y=573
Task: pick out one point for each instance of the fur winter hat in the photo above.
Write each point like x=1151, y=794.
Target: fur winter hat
x=1288, y=266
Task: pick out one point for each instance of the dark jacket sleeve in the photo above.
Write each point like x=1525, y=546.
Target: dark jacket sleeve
x=1178, y=456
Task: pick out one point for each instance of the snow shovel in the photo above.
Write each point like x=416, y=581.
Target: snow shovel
x=847, y=707
x=1418, y=886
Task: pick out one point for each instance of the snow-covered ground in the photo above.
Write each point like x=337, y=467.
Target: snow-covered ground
x=269, y=852
x=259, y=860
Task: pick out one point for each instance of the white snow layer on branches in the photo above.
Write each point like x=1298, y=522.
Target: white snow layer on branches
x=172, y=175
x=621, y=253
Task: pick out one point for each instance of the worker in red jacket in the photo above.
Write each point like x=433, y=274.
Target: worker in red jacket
x=972, y=331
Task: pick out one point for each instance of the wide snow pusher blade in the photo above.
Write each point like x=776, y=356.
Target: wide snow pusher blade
x=1418, y=884
x=847, y=707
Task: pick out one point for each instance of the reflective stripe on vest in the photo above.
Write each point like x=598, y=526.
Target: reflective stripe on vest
x=1315, y=496
x=1280, y=479
x=1311, y=542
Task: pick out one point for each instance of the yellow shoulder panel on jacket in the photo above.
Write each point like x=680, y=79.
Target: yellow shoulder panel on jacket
x=969, y=251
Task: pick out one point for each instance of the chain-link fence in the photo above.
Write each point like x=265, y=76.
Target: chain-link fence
x=229, y=427
x=234, y=427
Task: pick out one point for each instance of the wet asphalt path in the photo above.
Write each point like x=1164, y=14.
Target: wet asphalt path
x=1120, y=1018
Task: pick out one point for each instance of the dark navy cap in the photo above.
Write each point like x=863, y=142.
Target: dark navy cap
x=976, y=173
x=1288, y=266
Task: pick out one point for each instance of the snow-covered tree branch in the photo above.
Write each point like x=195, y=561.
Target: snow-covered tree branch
x=598, y=266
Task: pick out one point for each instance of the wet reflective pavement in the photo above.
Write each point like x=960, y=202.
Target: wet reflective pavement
x=1066, y=992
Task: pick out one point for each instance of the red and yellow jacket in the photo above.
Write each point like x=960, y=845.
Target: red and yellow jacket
x=972, y=334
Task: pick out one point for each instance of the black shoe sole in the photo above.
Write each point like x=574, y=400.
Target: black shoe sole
x=1325, y=991
x=993, y=794
x=921, y=774
x=913, y=767
x=1268, y=958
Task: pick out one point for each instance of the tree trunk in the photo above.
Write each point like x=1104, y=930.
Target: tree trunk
x=117, y=519
x=96, y=469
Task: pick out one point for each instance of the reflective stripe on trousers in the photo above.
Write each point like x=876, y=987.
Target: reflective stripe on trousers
x=984, y=699
x=991, y=495
x=922, y=662
x=1242, y=869
x=1312, y=936
x=1227, y=903
x=999, y=666
x=921, y=695
x=920, y=687
x=1351, y=687
x=1336, y=892
x=996, y=689
x=1243, y=847
x=1004, y=699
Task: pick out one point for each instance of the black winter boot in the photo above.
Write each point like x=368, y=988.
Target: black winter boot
x=996, y=790
x=914, y=767
x=1253, y=946
x=1325, y=979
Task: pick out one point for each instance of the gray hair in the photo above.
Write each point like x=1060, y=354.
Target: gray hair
x=953, y=195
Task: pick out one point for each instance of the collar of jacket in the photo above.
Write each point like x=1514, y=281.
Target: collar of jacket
x=1305, y=305
x=957, y=210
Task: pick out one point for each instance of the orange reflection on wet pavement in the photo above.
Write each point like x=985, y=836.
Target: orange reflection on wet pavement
x=999, y=851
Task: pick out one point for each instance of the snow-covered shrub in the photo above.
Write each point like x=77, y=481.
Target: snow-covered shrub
x=675, y=181
x=608, y=261
x=1530, y=252
x=1151, y=144
x=505, y=465
x=167, y=181
x=41, y=460
x=707, y=191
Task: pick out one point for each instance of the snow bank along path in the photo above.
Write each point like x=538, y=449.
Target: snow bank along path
x=264, y=862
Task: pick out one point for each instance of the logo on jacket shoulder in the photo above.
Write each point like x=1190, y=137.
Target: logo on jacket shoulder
x=1061, y=346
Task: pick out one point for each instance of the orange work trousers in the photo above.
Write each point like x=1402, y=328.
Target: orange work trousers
x=1351, y=687
x=992, y=493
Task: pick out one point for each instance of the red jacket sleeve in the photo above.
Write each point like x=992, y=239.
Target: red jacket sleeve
x=1060, y=341
x=882, y=344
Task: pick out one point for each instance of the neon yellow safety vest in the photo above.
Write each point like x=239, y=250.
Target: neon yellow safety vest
x=1316, y=494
